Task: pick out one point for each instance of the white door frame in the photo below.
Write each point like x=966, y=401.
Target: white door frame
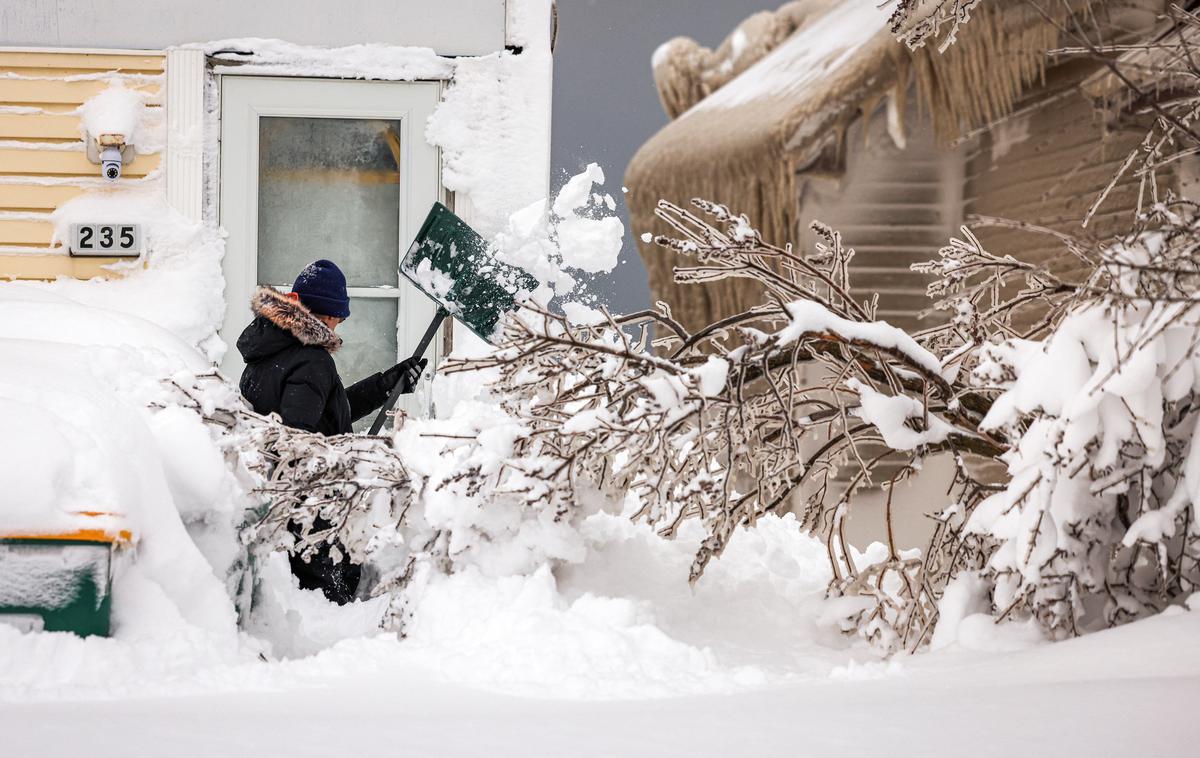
x=244, y=100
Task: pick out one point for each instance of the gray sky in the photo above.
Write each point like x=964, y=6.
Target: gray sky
x=605, y=104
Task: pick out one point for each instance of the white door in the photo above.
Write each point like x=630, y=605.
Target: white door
x=337, y=169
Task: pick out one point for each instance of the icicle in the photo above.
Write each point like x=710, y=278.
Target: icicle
x=897, y=104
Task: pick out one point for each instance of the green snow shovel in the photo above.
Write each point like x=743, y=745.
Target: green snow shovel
x=455, y=268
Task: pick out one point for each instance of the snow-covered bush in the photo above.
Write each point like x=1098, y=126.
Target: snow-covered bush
x=717, y=424
x=1090, y=408
x=1099, y=518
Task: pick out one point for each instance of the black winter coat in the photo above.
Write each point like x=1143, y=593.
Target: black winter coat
x=290, y=369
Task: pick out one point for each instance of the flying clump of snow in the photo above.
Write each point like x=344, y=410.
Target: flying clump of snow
x=560, y=242
x=587, y=241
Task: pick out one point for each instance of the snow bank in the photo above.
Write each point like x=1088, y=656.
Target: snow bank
x=79, y=436
x=176, y=284
x=618, y=623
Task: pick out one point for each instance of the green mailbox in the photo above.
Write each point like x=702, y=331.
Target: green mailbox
x=56, y=584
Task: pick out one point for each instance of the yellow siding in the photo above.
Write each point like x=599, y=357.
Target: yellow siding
x=43, y=266
x=36, y=197
x=56, y=91
x=149, y=63
x=20, y=161
x=25, y=232
x=42, y=91
x=39, y=126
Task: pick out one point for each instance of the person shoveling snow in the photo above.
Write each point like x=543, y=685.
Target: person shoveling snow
x=288, y=349
x=290, y=370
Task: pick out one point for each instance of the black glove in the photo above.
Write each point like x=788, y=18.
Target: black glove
x=406, y=373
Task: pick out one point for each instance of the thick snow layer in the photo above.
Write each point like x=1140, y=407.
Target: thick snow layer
x=30, y=312
x=120, y=109
x=176, y=283
x=114, y=110
x=581, y=315
x=493, y=127
x=273, y=57
x=1125, y=691
x=890, y=414
x=808, y=317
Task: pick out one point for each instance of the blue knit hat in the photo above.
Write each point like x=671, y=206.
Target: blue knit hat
x=322, y=288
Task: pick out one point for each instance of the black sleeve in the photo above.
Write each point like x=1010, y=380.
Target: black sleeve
x=366, y=396
x=305, y=393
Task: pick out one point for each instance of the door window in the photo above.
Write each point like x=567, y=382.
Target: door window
x=330, y=188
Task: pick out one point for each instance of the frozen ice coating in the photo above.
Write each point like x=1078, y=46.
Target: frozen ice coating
x=806, y=57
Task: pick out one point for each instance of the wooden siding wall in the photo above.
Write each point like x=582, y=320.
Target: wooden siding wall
x=1048, y=167
x=42, y=158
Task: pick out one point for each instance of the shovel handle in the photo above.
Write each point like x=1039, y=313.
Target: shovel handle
x=394, y=395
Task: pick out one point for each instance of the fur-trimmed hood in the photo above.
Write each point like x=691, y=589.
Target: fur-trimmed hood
x=295, y=319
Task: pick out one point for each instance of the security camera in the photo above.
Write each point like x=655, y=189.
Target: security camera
x=112, y=153
x=110, y=163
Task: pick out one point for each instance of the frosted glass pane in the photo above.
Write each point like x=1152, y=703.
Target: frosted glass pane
x=368, y=338
x=329, y=188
